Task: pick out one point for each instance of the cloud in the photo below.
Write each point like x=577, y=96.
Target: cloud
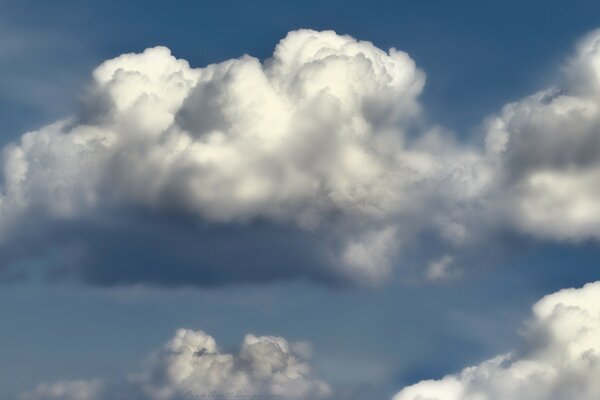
x=442, y=268
x=545, y=148
x=66, y=390
x=561, y=359
x=315, y=164
x=191, y=365
x=179, y=175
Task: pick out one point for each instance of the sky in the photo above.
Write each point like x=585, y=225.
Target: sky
x=343, y=220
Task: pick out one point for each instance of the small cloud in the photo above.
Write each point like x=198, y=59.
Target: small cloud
x=191, y=365
x=303, y=350
x=443, y=268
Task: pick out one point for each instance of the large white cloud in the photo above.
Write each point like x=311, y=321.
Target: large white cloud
x=561, y=359
x=315, y=139
x=305, y=133
x=192, y=366
x=312, y=164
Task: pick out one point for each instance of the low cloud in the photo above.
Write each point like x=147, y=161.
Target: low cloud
x=560, y=361
x=315, y=164
x=191, y=366
x=546, y=151
x=166, y=161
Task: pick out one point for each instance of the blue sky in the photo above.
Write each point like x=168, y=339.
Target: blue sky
x=142, y=283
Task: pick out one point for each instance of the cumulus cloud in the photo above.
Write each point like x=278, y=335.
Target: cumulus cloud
x=191, y=365
x=546, y=151
x=312, y=143
x=292, y=138
x=561, y=359
x=314, y=163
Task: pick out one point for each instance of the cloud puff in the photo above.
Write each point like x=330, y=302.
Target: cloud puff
x=561, y=359
x=546, y=148
x=191, y=366
x=312, y=144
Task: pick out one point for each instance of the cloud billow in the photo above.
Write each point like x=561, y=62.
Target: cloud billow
x=561, y=359
x=168, y=170
x=191, y=365
x=315, y=164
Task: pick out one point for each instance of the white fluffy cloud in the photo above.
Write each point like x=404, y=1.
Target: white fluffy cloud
x=561, y=361
x=547, y=152
x=317, y=156
x=305, y=133
x=192, y=366
x=313, y=138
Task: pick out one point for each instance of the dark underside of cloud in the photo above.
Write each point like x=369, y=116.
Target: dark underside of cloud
x=165, y=251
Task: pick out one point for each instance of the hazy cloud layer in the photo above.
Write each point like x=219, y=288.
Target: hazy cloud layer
x=192, y=366
x=561, y=359
x=314, y=163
